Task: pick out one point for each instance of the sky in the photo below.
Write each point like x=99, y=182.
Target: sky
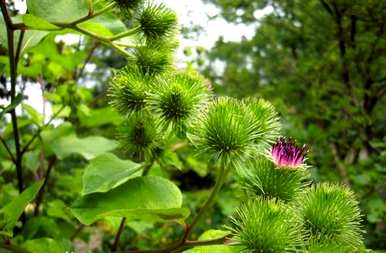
x=190, y=13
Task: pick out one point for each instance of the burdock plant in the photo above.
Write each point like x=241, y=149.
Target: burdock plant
x=162, y=106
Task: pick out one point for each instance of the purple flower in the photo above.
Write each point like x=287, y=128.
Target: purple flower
x=285, y=153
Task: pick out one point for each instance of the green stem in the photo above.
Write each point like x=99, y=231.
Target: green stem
x=114, y=247
x=8, y=150
x=125, y=34
x=208, y=203
x=184, y=242
x=40, y=196
x=12, y=65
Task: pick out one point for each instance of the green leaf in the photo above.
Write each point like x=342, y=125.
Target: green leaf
x=31, y=38
x=58, y=209
x=43, y=245
x=15, y=208
x=111, y=22
x=96, y=28
x=106, y=172
x=36, y=117
x=145, y=198
x=88, y=147
x=58, y=10
x=100, y=117
x=13, y=105
x=38, y=23
x=211, y=235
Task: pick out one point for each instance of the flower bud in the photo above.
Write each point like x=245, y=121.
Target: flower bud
x=285, y=153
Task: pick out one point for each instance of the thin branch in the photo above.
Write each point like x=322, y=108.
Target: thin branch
x=19, y=45
x=11, y=156
x=25, y=149
x=40, y=196
x=12, y=65
x=88, y=58
x=114, y=247
x=77, y=232
x=327, y=7
x=125, y=34
x=7, y=18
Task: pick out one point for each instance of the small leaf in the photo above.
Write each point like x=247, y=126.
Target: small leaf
x=96, y=28
x=106, y=172
x=43, y=245
x=146, y=198
x=12, y=106
x=36, y=116
x=211, y=235
x=38, y=23
x=15, y=208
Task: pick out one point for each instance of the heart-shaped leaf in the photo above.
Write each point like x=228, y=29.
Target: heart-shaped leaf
x=142, y=198
x=106, y=172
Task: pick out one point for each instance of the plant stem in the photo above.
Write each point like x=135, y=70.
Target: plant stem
x=25, y=149
x=125, y=34
x=12, y=65
x=184, y=242
x=39, y=198
x=219, y=182
x=8, y=150
x=114, y=247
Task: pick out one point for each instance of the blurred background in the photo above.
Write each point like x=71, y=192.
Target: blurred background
x=322, y=63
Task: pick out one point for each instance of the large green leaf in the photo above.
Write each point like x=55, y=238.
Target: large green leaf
x=58, y=10
x=12, y=211
x=88, y=147
x=43, y=245
x=141, y=198
x=106, y=172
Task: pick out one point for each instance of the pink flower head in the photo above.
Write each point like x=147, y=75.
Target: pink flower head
x=285, y=153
